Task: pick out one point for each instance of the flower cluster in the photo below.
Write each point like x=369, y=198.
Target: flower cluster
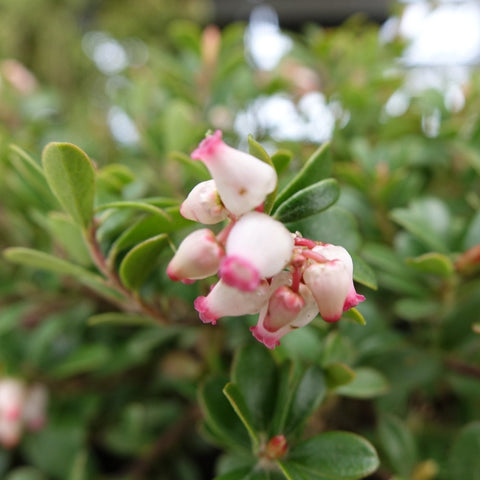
x=262, y=267
x=20, y=406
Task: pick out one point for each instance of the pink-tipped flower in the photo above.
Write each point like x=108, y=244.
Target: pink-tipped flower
x=330, y=285
x=203, y=204
x=335, y=252
x=225, y=301
x=12, y=398
x=35, y=407
x=286, y=311
x=257, y=247
x=243, y=181
x=198, y=256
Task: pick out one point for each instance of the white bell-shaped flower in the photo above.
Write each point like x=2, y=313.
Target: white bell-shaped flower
x=198, y=256
x=203, y=204
x=336, y=252
x=330, y=284
x=257, y=247
x=243, y=181
x=226, y=301
x=12, y=398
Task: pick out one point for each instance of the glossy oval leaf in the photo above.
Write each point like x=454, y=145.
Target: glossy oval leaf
x=398, y=443
x=363, y=273
x=71, y=177
x=44, y=261
x=433, y=263
x=316, y=168
x=334, y=455
x=368, y=383
x=134, y=205
x=255, y=149
x=237, y=401
x=220, y=416
x=255, y=374
x=309, y=201
x=308, y=395
x=141, y=260
x=338, y=374
x=464, y=458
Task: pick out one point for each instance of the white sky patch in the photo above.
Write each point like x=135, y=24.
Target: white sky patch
x=310, y=119
x=264, y=41
x=122, y=127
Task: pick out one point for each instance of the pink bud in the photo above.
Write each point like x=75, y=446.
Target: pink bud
x=257, y=247
x=10, y=432
x=286, y=311
x=330, y=284
x=335, y=252
x=243, y=181
x=12, y=397
x=276, y=447
x=226, y=301
x=198, y=256
x=203, y=204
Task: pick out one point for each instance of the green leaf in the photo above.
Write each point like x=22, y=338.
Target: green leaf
x=434, y=263
x=31, y=171
x=255, y=149
x=363, y=273
x=338, y=374
x=71, y=177
x=398, y=443
x=25, y=473
x=50, y=263
x=197, y=169
x=220, y=417
x=79, y=470
x=255, y=374
x=332, y=455
x=86, y=358
x=259, y=152
x=69, y=235
x=45, y=261
x=145, y=228
x=426, y=219
x=309, y=201
x=464, y=460
x=307, y=396
x=119, y=318
x=334, y=225
x=416, y=308
x=316, y=168
x=281, y=160
x=237, y=401
x=141, y=261
x=54, y=448
x=368, y=383
x=355, y=316
x=135, y=205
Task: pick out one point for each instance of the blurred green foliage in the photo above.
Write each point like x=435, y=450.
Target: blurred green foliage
x=124, y=400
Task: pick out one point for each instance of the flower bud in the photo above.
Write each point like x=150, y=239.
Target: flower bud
x=226, y=301
x=335, y=252
x=243, y=181
x=257, y=247
x=203, y=204
x=198, y=256
x=12, y=397
x=34, y=412
x=286, y=311
x=330, y=284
